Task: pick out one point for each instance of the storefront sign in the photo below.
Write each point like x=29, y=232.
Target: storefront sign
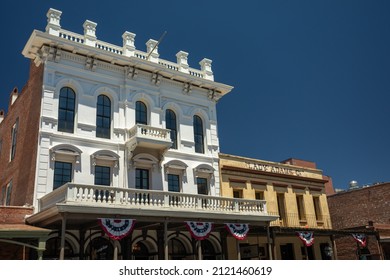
x=274, y=169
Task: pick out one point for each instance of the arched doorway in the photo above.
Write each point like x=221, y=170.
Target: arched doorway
x=53, y=247
x=208, y=250
x=100, y=248
x=176, y=249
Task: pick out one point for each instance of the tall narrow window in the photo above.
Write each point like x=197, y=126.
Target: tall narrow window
x=173, y=183
x=103, y=117
x=170, y=119
x=202, y=185
x=141, y=113
x=317, y=208
x=198, y=135
x=14, y=133
x=66, y=110
x=281, y=207
x=62, y=173
x=102, y=175
x=8, y=194
x=2, y=198
x=301, y=208
x=142, y=179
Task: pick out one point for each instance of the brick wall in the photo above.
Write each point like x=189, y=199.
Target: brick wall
x=21, y=169
x=299, y=162
x=347, y=247
x=356, y=207
x=14, y=214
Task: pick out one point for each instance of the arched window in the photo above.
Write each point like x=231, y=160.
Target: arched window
x=198, y=135
x=66, y=110
x=141, y=113
x=103, y=117
x=170, y=119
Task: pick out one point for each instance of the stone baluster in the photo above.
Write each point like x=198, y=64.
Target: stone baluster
x=128, y=44
x=205, y=65
x=90, y=33
x=53, y=22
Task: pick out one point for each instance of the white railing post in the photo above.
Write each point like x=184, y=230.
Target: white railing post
x=152, y=50
x=53, y=22
x=128, y=44
x=205, y=65
x=182, y=61
x=90, y=33
x=236, y=206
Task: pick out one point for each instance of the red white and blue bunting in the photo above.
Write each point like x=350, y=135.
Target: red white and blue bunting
x=117, y=228
x=199, y=230
x=239, y=231
x=306, y=237
x=361, y=238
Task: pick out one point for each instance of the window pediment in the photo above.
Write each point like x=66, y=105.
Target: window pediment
x=65, y=151
x=105, y=158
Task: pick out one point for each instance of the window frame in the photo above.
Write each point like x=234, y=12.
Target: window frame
x=103, y=117
x=8, y=192
x=171, y=123
x=198, y=134
x=141, y=113
x=301, y=207
x=103, y=168
x=64, y=125
x=14, y=139
x=142, y=179
x=205, y=185
x=174, y=178
x=55, y=186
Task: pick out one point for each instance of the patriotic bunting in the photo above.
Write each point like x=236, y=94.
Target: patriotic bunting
x=117, y=228
x=306, y=237
x=199, y=230
x=239, y=231
x=361, y=238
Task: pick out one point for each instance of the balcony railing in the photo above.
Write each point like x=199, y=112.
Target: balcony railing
x=92, y=195
x=149, y=137
x=308, y=221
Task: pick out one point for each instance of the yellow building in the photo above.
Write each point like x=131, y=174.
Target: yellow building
x=294, y=190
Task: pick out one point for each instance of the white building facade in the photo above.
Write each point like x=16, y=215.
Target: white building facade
x=126, y=134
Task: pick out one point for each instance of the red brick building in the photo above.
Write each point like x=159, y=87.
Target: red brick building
x=362, y=208
x=18, y=142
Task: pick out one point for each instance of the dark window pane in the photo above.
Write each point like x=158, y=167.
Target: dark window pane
x=142, y=179
x=173, y=183
x=66, y=110
x=103, y=117
x=202, y=185
x=141, y=113
x=102, y=175
x=170, y=119
x=62, y=173
x=198, y=134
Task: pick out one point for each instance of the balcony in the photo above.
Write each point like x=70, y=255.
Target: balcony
x=148, y=137
x=309, y=221
x=101, y=200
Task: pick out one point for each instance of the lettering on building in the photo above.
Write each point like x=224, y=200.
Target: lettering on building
x=274, y=169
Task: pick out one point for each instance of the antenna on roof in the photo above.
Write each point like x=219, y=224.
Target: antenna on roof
x=159, y=41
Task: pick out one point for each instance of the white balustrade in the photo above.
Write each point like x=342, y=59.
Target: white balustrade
x=149, y=199
x=68, y=35
x=145, y=131
x=108, y=47
x=128, y=49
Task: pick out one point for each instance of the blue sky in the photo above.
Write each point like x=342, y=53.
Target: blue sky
x=311, y=78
